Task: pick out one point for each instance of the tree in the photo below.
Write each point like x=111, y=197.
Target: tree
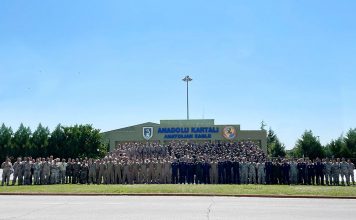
x=76, y=141
x=92, y=146
x=343, y=146
x=39, y=141
x=350, y=142
x=21, y=142
x=56, y=142
x=84, y=141
x=309, y=146
x=271, y=139
x=334, y=148
x=5, y=141
x=278, y=149
x=274, y=147
x=63, y=142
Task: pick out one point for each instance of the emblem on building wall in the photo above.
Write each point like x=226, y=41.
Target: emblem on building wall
x=229, y=132
x=147, y=132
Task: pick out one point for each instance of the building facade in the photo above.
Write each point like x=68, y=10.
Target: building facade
x=200, y=130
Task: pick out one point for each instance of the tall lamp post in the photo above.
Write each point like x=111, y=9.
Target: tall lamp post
x=187, y=79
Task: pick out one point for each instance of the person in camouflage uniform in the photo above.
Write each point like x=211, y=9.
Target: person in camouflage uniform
x=6, y=172
x=327, y=172
x=37, y=171
x=261, y=172
x=335, y=171
x=92, y=172
x=76, y=171
x=244, y=171
x=118, y=172
x=344, y=171
x=110, y=172
x=102, y=170
x=27, y=171
x=214, y=172
x=45, y=171
x=69, y=170
x=62, y=171
x=252, y=172
x=17, y=169
x=54, y=168
x=293, y=172
x=21, y=172
x=84, y=172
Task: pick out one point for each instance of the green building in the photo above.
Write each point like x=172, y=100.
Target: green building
x=191, y=130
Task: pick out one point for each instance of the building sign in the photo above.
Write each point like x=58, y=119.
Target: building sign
x=188, y=132
x=193, y=130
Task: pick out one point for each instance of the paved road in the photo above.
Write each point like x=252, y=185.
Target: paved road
x=136, y=207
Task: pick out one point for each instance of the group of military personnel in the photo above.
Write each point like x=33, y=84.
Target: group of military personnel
x=179, y=163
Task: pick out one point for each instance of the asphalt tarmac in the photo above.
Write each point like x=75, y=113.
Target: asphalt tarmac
x=172, y=207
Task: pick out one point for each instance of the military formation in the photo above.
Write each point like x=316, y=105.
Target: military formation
x=179, y=163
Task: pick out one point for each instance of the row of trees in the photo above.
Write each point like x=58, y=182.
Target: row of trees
x=308, y=145
x=63, y=141
x=85, y=141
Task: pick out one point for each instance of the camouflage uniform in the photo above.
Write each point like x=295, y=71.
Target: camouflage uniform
x=261, y=173
x=69, y=172
x=344, y=168
x=92, y=173
x=84, y=173
x=110, y=173
x=118, y=172
x=167, y=172
x=6, y=172
x=244, y=172
x=54, y=173
x=37, y=173
x=214, y=173
x=76, y=172
x=335, y=171
x=62, y=172
x=150, y=172
x=293, y=173
x=102, y=169
x=327, y=173
x=21, y=172
x=134, y=173
x=252, y=172
x=45, y=172
x=16, y=167
x=27, y=172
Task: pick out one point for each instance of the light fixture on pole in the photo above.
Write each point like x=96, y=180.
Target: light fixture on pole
x=187, y=79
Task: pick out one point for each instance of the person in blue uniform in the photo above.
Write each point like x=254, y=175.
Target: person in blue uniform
x=175, y=166
x=311, y=172
x=269, y=166
x=228, y=166
x=221, y=171
x=285, y=172
x=319, y=167
x=235, y=171
x=206, y=172
x=182, y=167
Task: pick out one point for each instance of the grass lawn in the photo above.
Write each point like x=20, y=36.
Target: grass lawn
x=189, y=189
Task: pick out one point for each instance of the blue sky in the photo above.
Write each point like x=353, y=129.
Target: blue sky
x=118, y=63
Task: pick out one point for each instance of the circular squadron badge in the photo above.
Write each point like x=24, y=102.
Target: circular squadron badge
x=229, y=132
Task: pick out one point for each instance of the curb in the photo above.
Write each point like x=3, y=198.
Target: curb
x=179, y=194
